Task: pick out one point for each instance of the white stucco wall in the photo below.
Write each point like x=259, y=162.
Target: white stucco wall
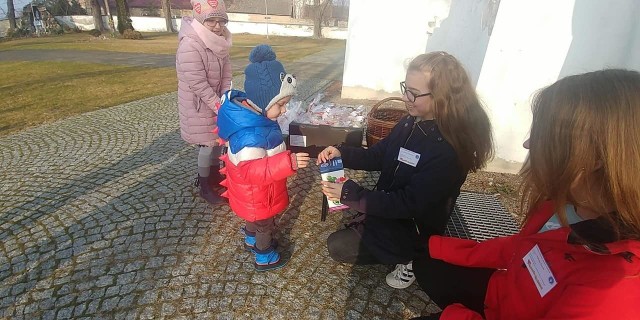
x=382, y=39
x=4, y=27
x=533, y=43
x=285, y=30
x=604, y=34
x=462, y=34
x=527, y=49
x=157, y=24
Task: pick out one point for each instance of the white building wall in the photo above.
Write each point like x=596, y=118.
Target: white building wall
x=383, y=36
x=526, y=52
x=604, y=34
x=157, y=24
x=533, y=43
x=536, y=43
x=4, y=27
x=463, y=32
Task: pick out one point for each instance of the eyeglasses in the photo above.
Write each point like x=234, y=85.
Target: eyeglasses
x=212, y=23
x=410, y=95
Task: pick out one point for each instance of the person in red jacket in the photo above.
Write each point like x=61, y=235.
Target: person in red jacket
x=257, y=164
x=578, y=253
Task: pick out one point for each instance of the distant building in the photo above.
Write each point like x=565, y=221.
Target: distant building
x=4, y=26
x=274, y=7
x=336, y=13
x=179, y=8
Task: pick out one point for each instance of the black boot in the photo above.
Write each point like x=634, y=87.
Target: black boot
x=207, y=193
x=215, y=177
x=214, y=180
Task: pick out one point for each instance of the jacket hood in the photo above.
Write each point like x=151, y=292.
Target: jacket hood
x=193, y=29
x=233, y=116
x=597, y=235
x=600, y=237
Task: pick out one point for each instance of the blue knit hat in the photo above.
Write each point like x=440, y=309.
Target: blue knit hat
x=263, y=77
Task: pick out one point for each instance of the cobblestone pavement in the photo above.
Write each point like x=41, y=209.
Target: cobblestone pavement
x=99, y=219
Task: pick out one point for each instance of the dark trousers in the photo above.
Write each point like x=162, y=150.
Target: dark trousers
x=263, y=229
x=346, y=246
x=447, y=284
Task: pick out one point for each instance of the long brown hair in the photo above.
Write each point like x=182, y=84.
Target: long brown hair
x=459, y=114
x=588, y=122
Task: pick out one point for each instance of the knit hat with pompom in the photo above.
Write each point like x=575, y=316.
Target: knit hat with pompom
x=206, y=9
x=264, y=77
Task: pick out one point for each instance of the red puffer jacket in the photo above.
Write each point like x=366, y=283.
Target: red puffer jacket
x=599, y=281
x=257, y=189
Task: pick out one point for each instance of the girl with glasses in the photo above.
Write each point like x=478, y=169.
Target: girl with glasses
x=423, y=163
x=204, y=74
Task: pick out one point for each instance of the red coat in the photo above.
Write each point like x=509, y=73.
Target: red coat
x=590, y=285
x=257, y=189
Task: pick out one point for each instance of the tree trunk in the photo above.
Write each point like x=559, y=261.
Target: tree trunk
x=11, y=14
x=97, y=15
x=166, y=8
x=318, y=16
x=124, y=17
x=107, y=9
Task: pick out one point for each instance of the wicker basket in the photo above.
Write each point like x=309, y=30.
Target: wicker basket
x=382, y=118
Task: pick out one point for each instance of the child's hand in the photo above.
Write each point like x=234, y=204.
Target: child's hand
x=327, y=154
x=302, y=159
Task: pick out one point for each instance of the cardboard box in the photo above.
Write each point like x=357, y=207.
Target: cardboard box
x=333, y=171
x=313, y=138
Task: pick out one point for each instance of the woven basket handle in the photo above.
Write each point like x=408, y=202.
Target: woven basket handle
x=383, y=101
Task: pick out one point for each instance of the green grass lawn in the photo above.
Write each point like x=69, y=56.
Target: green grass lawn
x=287, y=48
x=38, y=92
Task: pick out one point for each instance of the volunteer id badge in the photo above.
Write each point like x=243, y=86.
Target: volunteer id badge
x=539, y=270
x=408, y=157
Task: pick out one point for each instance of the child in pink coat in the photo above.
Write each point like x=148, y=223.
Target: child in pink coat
x=204, y=74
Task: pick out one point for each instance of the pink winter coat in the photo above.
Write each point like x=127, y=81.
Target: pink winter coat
x=204, y=73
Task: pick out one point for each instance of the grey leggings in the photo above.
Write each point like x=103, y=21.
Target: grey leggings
x=207, y=157
x=263, y=229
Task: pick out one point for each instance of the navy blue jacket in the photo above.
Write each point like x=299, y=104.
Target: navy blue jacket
x=410, y=203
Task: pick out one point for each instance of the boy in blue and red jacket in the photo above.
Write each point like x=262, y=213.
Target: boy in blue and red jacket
x=258, y=164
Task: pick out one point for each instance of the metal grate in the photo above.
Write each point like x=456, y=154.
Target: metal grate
x=475, y=216
x=480, y=217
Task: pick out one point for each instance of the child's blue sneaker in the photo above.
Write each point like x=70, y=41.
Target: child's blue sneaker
x=268, y=260
x=249, y=242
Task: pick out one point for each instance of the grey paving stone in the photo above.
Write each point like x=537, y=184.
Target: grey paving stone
x=167, y=309
x=109, y=304
x=99, y=218
x=126, y=301
x=65, y=313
